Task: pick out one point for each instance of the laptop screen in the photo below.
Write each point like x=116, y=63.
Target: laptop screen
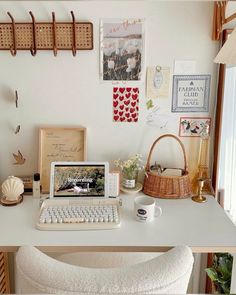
x=78, y=179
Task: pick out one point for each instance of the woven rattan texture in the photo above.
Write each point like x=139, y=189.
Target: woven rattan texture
x=44, y=36
x=167, y=187
x=4, y=277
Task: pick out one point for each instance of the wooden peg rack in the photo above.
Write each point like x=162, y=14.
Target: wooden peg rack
x=53, y=35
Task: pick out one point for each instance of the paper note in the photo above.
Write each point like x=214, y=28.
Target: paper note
x=185, y=67
x=158, y=81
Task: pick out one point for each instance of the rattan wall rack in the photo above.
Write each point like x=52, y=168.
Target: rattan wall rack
x=34, y=36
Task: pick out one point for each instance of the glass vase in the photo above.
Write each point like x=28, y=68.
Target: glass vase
x=129, y=180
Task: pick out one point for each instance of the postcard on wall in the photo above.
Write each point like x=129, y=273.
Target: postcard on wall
x=59, y=144
x=122, y=49
x=191, y=93
x=125, y=104
x=158, y=81
x=194, y=126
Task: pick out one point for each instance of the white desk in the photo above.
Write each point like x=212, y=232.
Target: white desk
x=204, y=227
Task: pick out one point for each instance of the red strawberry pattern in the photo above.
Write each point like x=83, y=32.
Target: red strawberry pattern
x=125, y=99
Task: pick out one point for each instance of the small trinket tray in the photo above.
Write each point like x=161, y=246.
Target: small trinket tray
x=5, y=202
x=135, y=190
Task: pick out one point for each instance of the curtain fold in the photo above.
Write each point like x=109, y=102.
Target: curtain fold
x=227, y=164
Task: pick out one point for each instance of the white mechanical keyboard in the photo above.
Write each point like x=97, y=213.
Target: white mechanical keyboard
x=79, y=214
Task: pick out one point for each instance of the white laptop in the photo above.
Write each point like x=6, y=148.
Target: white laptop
x=79, y=198
x=79, y=179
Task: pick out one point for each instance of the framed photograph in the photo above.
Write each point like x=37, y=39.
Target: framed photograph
x=59, y=144
x=194, y=126
x=122, y=49
x=191, y=93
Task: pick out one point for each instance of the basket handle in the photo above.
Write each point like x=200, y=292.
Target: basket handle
x=155, y=142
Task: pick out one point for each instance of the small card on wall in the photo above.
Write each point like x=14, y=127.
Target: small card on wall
x=125, y=104
x=194, y=126
x=158, y=81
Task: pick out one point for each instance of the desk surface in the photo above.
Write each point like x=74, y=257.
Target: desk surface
x=204, y=227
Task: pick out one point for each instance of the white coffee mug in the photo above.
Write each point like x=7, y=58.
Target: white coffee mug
x=145, y=209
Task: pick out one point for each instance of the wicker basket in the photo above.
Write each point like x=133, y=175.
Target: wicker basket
x=167, y=187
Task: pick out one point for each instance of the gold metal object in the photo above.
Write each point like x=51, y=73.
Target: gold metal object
x=200, y=198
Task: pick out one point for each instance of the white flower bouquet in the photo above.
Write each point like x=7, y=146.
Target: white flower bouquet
x=130, y=169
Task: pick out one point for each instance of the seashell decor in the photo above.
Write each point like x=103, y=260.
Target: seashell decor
x=12, y=188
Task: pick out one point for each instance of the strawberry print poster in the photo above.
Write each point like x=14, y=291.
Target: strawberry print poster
x=125, y=104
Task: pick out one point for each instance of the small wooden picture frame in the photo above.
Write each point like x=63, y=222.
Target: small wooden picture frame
x=59, y=144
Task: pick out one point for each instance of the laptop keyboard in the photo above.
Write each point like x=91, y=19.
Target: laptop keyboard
x=90, y=214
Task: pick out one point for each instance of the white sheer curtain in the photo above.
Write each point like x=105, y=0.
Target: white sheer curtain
x=227, y=167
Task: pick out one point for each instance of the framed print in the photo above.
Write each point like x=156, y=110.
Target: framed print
x=194, y=126
x=59, y=144
x=122, y=49
x=191, y=93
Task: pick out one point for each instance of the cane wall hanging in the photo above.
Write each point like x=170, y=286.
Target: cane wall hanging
x=34, y=36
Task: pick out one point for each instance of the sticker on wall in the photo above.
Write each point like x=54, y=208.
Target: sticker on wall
x=158, y=81
x=191, y=93
x=149, y=104
x=19, y=158
x=122, y=49
x=125, y=104
x=194, y=126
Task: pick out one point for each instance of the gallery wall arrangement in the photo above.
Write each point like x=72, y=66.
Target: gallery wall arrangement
x=121, y=81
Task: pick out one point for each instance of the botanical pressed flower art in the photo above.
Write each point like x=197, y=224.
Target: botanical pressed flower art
x=122, y=47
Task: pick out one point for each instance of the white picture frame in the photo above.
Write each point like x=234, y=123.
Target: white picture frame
x=190, y=93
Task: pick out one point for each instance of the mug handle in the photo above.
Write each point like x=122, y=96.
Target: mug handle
x=158, y=211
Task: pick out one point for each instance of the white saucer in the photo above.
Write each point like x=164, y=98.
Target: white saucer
x=135, y=190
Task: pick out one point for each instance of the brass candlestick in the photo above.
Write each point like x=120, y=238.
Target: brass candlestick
x=199, y=197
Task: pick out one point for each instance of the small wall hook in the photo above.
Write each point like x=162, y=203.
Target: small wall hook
x=16, y=99
x=17, y=129
x=13, y=47
x=158, y=68
x=54, y=34
x=74, y=34
x=33, y=49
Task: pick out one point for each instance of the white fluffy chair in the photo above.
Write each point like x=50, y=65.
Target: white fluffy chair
x=168, y=273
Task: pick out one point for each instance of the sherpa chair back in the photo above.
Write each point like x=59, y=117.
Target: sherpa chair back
x=168, y=273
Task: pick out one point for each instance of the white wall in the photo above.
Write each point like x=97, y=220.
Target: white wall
x=66, y=91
